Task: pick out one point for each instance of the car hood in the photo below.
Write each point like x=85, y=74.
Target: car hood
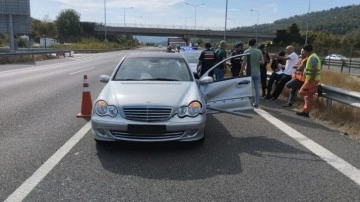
x=152, y=93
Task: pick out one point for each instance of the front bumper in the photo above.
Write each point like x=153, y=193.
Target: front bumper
x=176, y=129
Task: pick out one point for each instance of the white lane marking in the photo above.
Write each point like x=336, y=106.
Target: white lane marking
x=338, y=163
x=21, y=192
x=83, y=70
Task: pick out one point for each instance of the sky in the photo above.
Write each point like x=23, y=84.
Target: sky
x=182, y=13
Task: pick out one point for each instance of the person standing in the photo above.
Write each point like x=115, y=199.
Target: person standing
x=207, y=59
x=220, y=55
x=312, y=79
x=297, y=79
x=291, y=59
x=256, y=59
x=236, y=61
x=263, y=69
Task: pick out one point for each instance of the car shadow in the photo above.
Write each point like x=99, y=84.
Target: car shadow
x=218, y=155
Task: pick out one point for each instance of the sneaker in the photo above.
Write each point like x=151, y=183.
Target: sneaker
x=304, y=114
x=256, y=106
x=287, y=105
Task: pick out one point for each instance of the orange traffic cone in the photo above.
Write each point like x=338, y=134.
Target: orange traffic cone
x=86, y=104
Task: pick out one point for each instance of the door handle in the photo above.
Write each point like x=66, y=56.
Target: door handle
x=245, y=82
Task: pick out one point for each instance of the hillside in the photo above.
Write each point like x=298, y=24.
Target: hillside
x=339, y=21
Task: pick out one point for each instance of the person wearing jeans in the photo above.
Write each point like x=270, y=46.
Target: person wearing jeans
x=256, y=58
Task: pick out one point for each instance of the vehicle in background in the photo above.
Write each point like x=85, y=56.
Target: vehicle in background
x=176, y=42
x=335, y=57
x=154, y=97
x=192, y=57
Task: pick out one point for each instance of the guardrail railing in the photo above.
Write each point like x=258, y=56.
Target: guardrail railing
x=352, y=65
x=332, y=93
x=38, y=52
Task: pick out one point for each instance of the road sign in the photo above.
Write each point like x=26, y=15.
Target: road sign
x=15, y=16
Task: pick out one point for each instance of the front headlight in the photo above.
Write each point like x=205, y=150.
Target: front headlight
x=101, y=108
x=192, y=110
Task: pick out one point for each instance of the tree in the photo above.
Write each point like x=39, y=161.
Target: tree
x=68, y=25
x=294, y=35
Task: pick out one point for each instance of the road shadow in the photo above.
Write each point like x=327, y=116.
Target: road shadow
x=218, y=155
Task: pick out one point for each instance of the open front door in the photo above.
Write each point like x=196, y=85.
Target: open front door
x=229, y=96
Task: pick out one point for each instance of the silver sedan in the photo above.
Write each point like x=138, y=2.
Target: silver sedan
x=154, y=97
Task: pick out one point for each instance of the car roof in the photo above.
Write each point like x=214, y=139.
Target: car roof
x=153, y=54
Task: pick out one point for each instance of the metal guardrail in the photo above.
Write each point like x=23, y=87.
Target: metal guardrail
x=332, y=93
x=352, y=65
x=35, y=52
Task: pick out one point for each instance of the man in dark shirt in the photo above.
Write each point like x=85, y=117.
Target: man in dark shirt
x=207, y=59
x=236, y=62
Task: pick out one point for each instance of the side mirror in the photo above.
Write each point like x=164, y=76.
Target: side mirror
x=206, y=80
x=104, y=78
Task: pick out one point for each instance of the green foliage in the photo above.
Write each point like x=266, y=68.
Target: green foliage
x=94, y=43
x=87, y=29
x=42, y=28
x=68, y=25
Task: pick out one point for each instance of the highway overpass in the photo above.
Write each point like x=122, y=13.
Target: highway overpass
x=181, y=32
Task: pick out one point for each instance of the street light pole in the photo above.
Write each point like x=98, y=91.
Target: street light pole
x=44, y=40
x=124, y=14
x=195, y=6
x=226, y=9
x=257, y=23
x=307, y=23
x=105, y=40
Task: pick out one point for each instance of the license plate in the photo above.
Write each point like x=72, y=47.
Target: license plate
x=146, y=129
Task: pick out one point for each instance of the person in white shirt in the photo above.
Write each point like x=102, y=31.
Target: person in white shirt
x=291, y=60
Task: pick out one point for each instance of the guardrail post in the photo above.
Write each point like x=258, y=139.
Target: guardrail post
x=342, y=65
x=329, y=104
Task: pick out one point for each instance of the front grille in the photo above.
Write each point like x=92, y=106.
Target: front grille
x=147, y=113
x=148, y=137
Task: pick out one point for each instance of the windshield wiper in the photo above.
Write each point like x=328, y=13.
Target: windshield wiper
x=159, y=79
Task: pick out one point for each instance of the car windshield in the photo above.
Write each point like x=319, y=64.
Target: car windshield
x=160, y=69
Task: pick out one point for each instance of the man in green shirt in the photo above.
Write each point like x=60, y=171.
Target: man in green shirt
x=256, y=59
x=220, y=55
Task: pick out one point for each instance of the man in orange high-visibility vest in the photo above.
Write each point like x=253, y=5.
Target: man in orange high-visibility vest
x=297, y=79
x=312, y=79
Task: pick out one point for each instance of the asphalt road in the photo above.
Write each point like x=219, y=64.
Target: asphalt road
x=47, y=154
